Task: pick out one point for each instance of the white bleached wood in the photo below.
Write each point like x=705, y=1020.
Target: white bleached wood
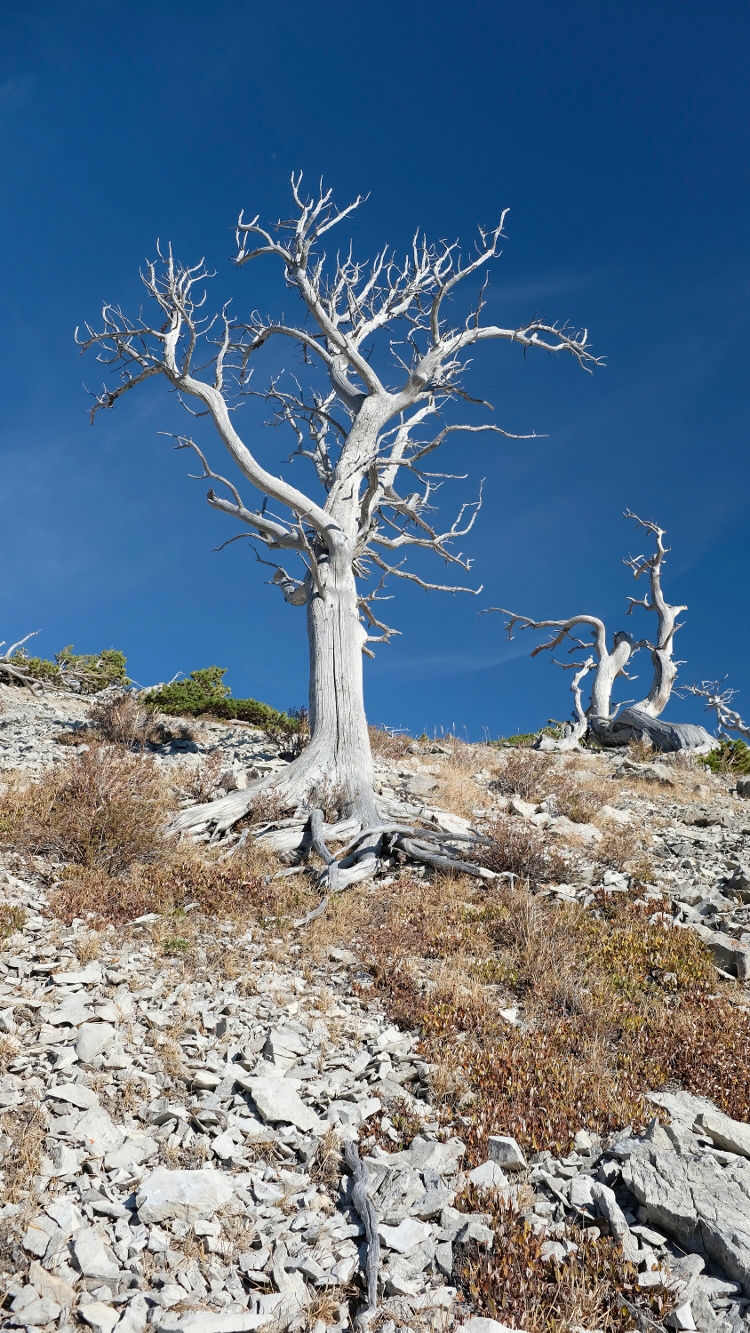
x=665, y=668
x=718, y=698
x=383, y=360
x=608, y=663
x=13, y=672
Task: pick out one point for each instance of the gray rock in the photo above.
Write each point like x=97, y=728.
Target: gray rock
x=684, y=1191
x=488, y=1176
x=478, y=1325
x=92, y=1040
x=102, y=1318
x=187, y=1195
x=732, y=1135
x=743, y=787
x=34, y=1311
x=279, y=1102
x=406, y=1236
x=92, y=1256
x=209, y=1321
x=506, y=1152
x=728, y=954
x=607, y=1207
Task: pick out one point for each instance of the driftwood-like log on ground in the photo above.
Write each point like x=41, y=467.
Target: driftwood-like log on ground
x=632, y=724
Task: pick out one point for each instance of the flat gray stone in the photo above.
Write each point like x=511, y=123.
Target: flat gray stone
x=102, y=1318
x=92, y=1040
x=478, y=1325
x=279, y=1103
x=684, y=1191
x=506, y=1152
x=488, y=1176
x=208, y=1321
x=406, y=1236
x=92, y=1256
x=731, y=1135
x=188, y=1195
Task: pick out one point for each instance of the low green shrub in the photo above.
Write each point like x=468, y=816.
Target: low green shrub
x=524, y=739
x=204, y=692
x=87, y=672
x=730, y=757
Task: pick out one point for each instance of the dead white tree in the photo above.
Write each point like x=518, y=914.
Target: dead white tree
x=575, y=731
x=620, y=723
x=383, y=360
x=718, y=698
x=664, y=665
x=12, y=669
x=608, y=662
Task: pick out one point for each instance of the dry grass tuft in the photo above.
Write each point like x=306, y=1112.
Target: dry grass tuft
x=325, y=1168
x=622, y=848
x=533, y=776
x=387, y=744
x=122, y=719
x=514, y=1282
x=457, y=791
x=105, y=809
x=241, y=889
x=522, y=773
x=521, y=849
x=12, y=918
x=21, y=1141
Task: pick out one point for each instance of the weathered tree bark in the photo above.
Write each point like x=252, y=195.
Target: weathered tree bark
x=12, y=670
x=634, y=724
x=665, y=668
x=608, y=664
x=576, y=730
x=359, y=432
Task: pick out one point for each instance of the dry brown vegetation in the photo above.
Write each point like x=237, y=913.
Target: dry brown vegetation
x=22, y=1135
x=532, y=776
x=613, y=1002
x=521, y=849
x=105, y=810
x=241, y=889
x=514, y=1281
x=123, y=720
x=389, y=745
x=12, y=918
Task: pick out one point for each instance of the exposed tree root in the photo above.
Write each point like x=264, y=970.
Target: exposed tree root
x=370, y=838
x=364, y=1206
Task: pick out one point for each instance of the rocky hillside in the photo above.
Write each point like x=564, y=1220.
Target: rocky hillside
x=546, y=1076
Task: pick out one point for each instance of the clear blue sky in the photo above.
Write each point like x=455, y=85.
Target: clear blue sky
x=618, y=136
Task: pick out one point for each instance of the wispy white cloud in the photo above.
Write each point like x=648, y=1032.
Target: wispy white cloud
x=445, y=664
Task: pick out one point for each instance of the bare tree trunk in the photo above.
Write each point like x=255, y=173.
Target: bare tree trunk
x=665, y=668
x=609, y=668
x=337, y=765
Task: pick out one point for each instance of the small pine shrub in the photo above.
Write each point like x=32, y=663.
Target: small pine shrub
x=203, y=693
x=88, y=673
x=729, y=757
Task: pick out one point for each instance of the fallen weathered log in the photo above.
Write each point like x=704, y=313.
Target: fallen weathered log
x=632, y=724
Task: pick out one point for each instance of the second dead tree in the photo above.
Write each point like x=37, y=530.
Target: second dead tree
x=617, y=724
